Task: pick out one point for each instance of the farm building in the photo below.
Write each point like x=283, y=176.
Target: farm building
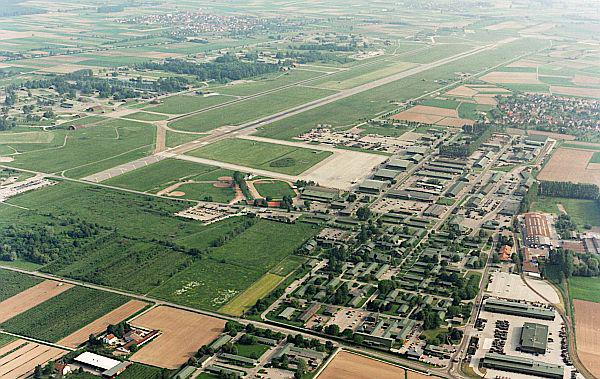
x=538, y=229
x=108, y=367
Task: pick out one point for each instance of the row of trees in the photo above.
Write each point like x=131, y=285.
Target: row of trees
x=225, y=68
x=476, y=135
x=569, y=190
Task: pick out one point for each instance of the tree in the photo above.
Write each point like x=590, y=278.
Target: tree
x=38, y=373
x=301, y=369
x=363, y=213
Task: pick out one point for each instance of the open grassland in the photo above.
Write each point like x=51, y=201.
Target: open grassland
x=63, y=314
x=14, y=283
x=274, y=189
x=582, y=212
x=230, y=269
x=262, y=155
x=248, y=298
x=266, y=83
x=584, y=288
x=175, y=139
x=81, y=152
x=249, y=110
x=182, y=334
x=30, y=298
x=182, y=104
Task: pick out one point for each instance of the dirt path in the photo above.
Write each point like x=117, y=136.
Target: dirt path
x=161, y=139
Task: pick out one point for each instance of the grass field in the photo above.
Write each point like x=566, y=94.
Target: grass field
x=182, y=104
x=167, y=172
x=13, y=283
x=249, y=110
x=584, y=288
x=64, y=314
x=251, y=351
x=583, y=212
x=248, y=298
x=85, y=151
x=176, y=139
x=266, y=83
x=274, y=189
x=145, y=116
x=262, y=155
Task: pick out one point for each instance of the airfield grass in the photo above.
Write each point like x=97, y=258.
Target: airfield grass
x=175, y=139
x=584, y=288
x=274, y=190
x=145, y=116
x=249, y=110
x=229, y=270
x=362, y=75
x=162, y=174
x=63, y=314
x=385, y=131
x=262, y=155
x=85, y=151
x=14, y=283
x=259, y=289
x=182, y=104
x=266, y=83
x=582, y=212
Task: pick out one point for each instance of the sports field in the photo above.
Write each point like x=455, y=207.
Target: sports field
x=274, y=189
x=262, y=155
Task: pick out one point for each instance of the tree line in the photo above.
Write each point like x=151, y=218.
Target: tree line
x=569, y=190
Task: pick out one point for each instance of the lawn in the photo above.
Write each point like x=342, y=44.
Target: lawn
x=145, y=116
x=274, y=189
x=85, y=151
x=248, y=298
x=583, y=212
x=262, y=155
x=249, y=110
x=64, y=314
x=182, y=104
x=14, y=283
x=585, y=288
x=251, y=351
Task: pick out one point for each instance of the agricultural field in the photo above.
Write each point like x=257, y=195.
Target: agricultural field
x=63, y=314
x=248, y=298
x=262, y=155
x=570, y=165
x=249, y=110
x=584, y=288
x=31, y=297
x=140, y=371
x=14, y=283
x=357, y=366
x=207, y=282
x=182, y=334
x=21, y=358
x=587, y=333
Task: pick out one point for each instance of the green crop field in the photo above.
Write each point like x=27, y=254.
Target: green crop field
x=274, y=189
x=182, y=104
x=249, y=110
x=160, y=175
x=229, y=270
x=140, y=371
x=262, y=155
x=584, y=288
x=5, y=339
x=595, y=158
x=63, y=314
x=14, y=283
x=145, y=116
x=85, y=151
